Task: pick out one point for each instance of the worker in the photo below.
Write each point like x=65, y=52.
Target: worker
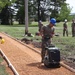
x=65, y=28
x=73, y=28
x=47, y=30
x=40, y=25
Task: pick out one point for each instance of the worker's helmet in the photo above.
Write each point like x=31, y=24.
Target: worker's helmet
x=53, y=21
x=40, y=21
x=65, y=20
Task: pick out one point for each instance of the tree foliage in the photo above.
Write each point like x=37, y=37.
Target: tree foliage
x=64, y=12
x=47, y=8
x=6, y=12
x=3, y=3
x=21, y=11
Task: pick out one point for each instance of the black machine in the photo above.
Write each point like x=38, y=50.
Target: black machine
x=52, y=55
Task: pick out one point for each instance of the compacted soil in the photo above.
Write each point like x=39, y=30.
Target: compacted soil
x=26, y=61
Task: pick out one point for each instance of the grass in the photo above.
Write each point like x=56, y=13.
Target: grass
x=2, y=68
x=18, y=31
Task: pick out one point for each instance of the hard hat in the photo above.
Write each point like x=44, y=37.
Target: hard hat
x=65, y=20
x=53, y=21
x=40, y=21
x=2, y=41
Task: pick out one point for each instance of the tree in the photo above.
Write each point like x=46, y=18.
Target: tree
x=7, y=13
x=3, y=3
x=21, y=12
x=48, y=9
x=64, y=12
x=5, y=16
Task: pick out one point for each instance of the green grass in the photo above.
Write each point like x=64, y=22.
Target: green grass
x=2, y=68
x=18, y=32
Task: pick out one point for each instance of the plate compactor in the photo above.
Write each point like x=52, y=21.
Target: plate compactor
x=52, y=55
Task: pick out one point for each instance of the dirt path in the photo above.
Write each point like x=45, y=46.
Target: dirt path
x=26, y=61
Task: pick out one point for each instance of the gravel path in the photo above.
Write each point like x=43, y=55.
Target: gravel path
x=26, y=61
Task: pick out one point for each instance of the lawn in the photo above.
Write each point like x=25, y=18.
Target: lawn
x=18, y=31
x=2, y=67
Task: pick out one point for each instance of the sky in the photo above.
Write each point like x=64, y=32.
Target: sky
x=71, y=4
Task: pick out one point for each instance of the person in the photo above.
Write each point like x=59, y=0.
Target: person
x=40, y=25
x=47, y=30
x=65, y=28
x=73, y=28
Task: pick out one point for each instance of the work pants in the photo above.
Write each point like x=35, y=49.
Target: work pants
x=65, y=31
